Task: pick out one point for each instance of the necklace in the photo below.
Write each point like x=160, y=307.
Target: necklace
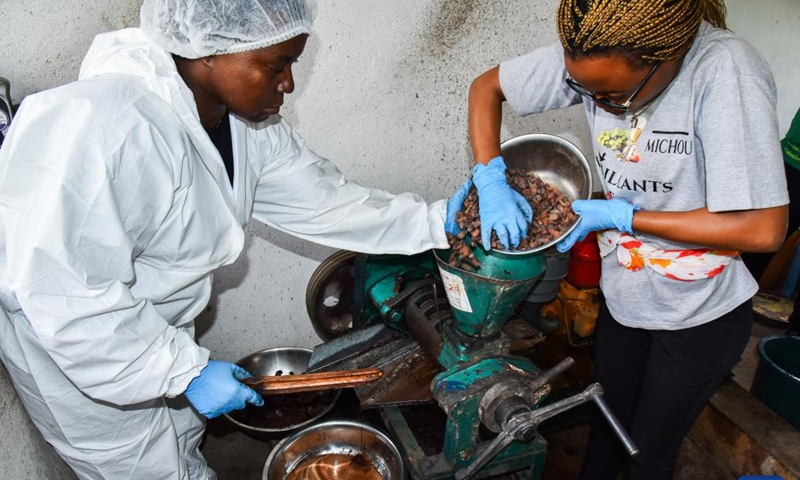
x=219, y=122
x=636, y=114
x=631, y=152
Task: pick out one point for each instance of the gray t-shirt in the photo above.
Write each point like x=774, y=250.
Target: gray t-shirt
x=710, y=140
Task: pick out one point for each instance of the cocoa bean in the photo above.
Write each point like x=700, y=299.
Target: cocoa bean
x=553, y=215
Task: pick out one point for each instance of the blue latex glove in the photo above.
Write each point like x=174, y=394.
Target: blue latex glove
x=503, y=209
x=599, y=215
x=455, y=205
x=217, y=390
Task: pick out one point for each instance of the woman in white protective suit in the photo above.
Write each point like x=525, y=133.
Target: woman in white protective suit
x=120, y=194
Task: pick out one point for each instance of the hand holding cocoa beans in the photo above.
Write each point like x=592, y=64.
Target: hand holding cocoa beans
x=552, y=217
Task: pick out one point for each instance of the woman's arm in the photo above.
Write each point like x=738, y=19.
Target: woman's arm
x=485, y=110
x=761, y=230
x=528, y=84
x=307, y=196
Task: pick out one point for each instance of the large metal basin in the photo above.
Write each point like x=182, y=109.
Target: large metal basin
x=276, y=361
x=346, y=437
x=557, y=162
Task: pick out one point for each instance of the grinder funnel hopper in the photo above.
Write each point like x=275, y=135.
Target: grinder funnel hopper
x=483, y=300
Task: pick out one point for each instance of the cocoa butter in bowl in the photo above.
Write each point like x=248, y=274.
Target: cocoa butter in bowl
x=335, y=450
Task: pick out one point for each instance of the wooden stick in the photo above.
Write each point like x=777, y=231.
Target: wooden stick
x=311, y=382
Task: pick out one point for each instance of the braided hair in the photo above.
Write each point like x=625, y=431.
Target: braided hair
x=641, y=31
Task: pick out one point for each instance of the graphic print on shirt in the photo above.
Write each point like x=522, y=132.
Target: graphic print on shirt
x=670, y=143
x=633, y=154
x=623, y=142
x=615, y=140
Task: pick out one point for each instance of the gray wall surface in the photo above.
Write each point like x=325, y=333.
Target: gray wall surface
x=382, y=91
x=24, y=455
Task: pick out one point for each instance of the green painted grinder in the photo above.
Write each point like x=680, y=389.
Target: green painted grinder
x=483, y=300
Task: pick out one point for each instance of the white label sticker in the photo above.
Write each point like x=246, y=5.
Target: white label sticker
x=456, y=294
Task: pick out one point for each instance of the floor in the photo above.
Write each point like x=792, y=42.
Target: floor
x=236, y=456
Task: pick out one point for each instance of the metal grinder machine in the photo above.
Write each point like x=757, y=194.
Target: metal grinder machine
x=437, y=333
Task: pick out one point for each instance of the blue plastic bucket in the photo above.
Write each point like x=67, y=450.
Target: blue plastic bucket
x=777, y=378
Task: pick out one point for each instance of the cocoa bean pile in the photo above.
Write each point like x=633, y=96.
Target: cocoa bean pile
x=284, y=411
x=552, y=216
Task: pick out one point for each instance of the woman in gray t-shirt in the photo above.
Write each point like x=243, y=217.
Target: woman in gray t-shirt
x=686, y=144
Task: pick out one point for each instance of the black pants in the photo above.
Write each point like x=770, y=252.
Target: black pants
x=656, y=382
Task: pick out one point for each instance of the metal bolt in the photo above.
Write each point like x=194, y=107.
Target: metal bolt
x=510, y=408
x=526, y=434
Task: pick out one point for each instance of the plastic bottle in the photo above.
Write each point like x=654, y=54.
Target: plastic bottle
x=584, y=263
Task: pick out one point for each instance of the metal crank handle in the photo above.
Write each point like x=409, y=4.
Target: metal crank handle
x=500, y=442
x=527, y=420
x=627, y=442
x=549, y=375
x=593, y=392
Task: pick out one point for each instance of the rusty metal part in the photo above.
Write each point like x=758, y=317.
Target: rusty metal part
x=406, y=380
x=522, y=424
x=312, y=382
x=398, y=302
x=422, y=315
x=360, y=348
x=518, y=329
x=548, y=376
x=330, y=295
x=498, y=395
x=408, y=372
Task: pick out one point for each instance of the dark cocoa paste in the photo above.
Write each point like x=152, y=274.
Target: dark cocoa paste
x=284, y=411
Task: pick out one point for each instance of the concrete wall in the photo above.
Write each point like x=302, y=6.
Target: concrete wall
x=381, y=90
x=773, y=26
x=24, y=455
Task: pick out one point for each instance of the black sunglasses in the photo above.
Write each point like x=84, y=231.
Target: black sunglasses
x=608, y=103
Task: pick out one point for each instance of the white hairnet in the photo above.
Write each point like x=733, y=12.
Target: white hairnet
x=201, y=28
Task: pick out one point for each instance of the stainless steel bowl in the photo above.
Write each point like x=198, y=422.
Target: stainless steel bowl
x=335, y=437
x=557, y=162
x=278, y=361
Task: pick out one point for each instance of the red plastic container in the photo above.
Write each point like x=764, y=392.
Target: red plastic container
x=583, y=270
